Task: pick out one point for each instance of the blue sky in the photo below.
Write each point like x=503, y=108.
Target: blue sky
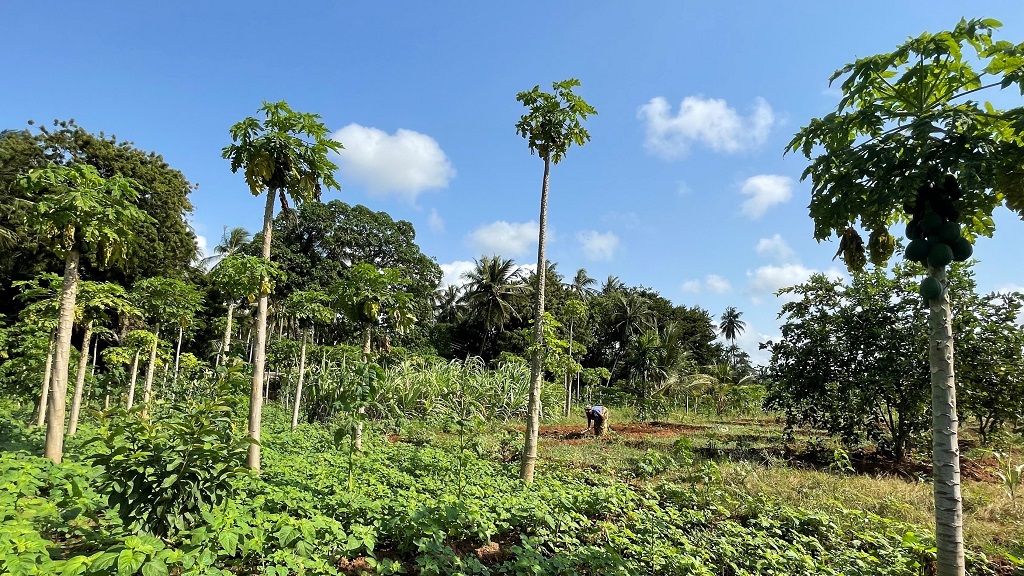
x=683, y=188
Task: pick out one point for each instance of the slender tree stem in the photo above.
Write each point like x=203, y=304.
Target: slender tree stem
x=298, y=387
x=83, y=364
x=260, y=346
x=47, y=375
x=55, y=408
x=537, y=363
x=135, y=377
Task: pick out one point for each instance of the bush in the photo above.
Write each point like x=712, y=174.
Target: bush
x=162, y=474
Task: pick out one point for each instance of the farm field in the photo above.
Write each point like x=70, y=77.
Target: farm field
x=777, y=328
x=687, y=496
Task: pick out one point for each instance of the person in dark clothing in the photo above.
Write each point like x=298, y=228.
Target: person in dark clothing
x=598, y=417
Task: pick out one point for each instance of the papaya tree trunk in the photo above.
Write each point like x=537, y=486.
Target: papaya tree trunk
x=357, y=437
x=147, y=391
x=95, y=354
x=177, y=351
x=568, y=379
x=135, y=376
x=537, y=361
x=83, y=364
x=47, y=373
x=57, y=403
x=298, y=387
x=949, y=540
x=225, y=347
x=260, y=347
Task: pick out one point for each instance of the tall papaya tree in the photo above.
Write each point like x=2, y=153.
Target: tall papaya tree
x=552, y=125
x=308, y=308
x=238, y=278
x=373, y=299
x=98, y=301
x=284, y=155
x=911, y=142
x=77, y=212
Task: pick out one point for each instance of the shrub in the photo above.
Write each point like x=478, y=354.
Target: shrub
x=161, y=474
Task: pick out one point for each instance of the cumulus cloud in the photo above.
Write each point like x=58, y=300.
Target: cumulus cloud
x=507, y=239
x=434, y=221
x=717, y=284
x=691, y=286
x=597, y=245
x=201, y=242
x=764, y=191
x=711, y=283
x=402, y=164
x=451, y=273
x=776, y=248
x=707, y=121
x=767, y=280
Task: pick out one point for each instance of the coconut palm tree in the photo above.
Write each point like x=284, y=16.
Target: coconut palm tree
x=448, y=304
x=231, y=242
x=582, y=285
x=612, y=284
x=494, y=285
x=285, y=155
x=732, y=327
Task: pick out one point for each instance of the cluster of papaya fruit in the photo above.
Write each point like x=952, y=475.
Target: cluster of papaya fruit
x=934, y=231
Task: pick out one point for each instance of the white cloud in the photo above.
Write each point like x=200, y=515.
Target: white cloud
x=506, y=239
x=691, y=286
x=453, y=271
x=203, y=246
x=682, y=188
x=767, y=280
x=708, y=121
x=1006, y=288
x=765, y=191
x=750, y=340
x=434, y=221
x=402, y=164
x=711, y=283
x=775, y=247
x=717, y=284
x=597, y=245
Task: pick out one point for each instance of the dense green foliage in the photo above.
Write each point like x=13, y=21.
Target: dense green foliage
x=852, y=357
x=301, y=517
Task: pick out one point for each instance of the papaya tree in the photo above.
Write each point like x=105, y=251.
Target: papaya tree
x=575, y=311
x=97, y=301
x=137, y=342
x=910, y=142
x=41, y=316
x=239, y=278
x=308, y=308
x=77, y=212
x=285, y=155
x=373, y=299
x=552, y=125
x=162, y=300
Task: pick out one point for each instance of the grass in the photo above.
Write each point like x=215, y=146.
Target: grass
x=749, y=454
